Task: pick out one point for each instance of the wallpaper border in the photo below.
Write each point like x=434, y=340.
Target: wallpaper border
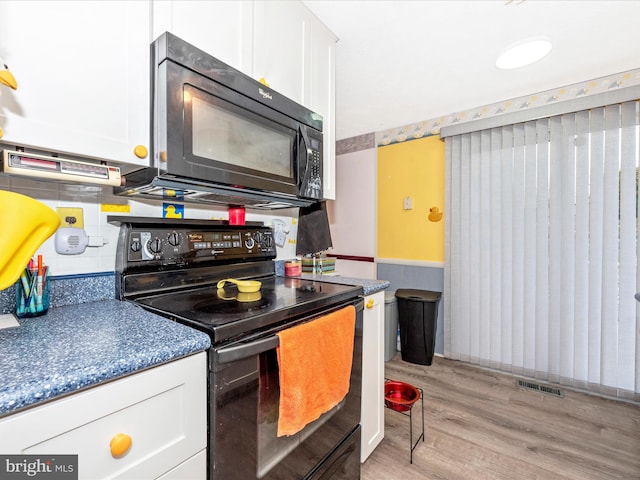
x=432, y=126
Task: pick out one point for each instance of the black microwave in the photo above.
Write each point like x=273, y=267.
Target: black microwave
x=220, y=136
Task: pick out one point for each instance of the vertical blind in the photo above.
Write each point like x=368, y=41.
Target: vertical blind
x=541, y=264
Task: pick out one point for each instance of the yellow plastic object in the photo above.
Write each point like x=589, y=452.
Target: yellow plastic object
x=115, y=207
x=435, y=214
x=370, y=303
x=245, y=286
x=70, y=217
x=7, y=78
x=241, y=296
x=26, y=223
x=140, y=151
x=120, y=444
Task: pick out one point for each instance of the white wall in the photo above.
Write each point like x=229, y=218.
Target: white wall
x=352, y=214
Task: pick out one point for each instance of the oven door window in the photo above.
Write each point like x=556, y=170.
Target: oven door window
x=229, y=136
x=245, y=414
x=271, y=448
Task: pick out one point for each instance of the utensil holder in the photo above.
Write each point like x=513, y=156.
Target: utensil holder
x=32, y=296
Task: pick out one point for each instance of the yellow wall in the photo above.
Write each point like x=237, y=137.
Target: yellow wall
x=413, y=169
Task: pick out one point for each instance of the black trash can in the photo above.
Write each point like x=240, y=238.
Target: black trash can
x=417, y=316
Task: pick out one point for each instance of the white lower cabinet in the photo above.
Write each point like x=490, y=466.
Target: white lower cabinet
x=372, y=409
x=162, y=410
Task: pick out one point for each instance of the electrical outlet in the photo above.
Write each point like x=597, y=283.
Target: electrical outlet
x=408, y=203
x=70, y=217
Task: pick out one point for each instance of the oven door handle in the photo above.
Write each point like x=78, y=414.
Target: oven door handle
x=245, y=350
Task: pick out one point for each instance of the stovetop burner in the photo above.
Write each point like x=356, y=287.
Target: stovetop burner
x=225, y=313
x=241, y=303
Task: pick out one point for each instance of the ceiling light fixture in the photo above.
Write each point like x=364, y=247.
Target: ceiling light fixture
x=523, y=53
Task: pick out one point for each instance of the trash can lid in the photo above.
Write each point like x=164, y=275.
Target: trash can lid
x=389, y=296
x=418, y=295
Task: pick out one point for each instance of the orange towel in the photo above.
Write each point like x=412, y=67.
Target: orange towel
x=314, y=360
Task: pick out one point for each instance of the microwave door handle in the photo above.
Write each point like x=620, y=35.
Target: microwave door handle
x=304, y=151
x=245, y=350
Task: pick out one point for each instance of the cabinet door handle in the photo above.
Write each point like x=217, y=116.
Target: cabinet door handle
x=120, y=444
x=370, y=303
x=140, y=151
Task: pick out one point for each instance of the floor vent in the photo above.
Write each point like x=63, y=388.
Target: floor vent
x=536, y=387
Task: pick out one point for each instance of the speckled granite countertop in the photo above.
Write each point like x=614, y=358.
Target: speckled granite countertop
x=369, y=286
x=78, y=346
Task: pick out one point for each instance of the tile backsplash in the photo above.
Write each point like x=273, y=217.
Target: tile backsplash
x=92, y=199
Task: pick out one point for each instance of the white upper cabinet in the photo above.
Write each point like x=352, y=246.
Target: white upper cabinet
x=295, y=54
x=82, y=70
x=281, y=46
x=321, y=97
x=222, y=29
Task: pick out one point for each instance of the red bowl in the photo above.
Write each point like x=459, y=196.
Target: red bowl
x=399, y=396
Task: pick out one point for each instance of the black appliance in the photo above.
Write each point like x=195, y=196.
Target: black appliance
x=171, y=267
x=220, y=136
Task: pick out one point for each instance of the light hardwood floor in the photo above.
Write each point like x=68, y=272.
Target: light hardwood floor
x=480, y=425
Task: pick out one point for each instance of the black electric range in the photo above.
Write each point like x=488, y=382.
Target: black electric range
x=172, y=267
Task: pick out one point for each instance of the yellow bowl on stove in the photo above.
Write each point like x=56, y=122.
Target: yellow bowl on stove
x=240, y=296
x=245, y=286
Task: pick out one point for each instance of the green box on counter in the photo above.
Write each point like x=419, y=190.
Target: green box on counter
x=318, y=265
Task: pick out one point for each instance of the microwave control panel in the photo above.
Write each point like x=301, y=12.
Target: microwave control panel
x=312, y=184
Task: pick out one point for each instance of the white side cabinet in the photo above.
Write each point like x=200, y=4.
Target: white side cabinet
x=321, y=98
x=82, y=70
x=372, y=410
x=295, y=53
x=163, y=410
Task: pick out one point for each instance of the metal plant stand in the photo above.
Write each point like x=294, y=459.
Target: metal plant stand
x=412, y=444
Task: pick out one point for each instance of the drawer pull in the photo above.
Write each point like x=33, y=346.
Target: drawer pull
x=370, y=303
x=120, y=444
x=140, y=151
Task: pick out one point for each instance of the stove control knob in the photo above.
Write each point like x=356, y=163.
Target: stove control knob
x=155, y=245
x=249, y=243
x=258, y=236
x=136, y=245
x=268, y=241
x=174, y=239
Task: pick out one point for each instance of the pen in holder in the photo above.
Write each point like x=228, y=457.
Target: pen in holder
x=32, y=293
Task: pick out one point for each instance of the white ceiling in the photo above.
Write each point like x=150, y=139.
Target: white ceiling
x=400, y=62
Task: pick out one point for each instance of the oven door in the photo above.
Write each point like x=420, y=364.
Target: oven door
x=243, y=409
